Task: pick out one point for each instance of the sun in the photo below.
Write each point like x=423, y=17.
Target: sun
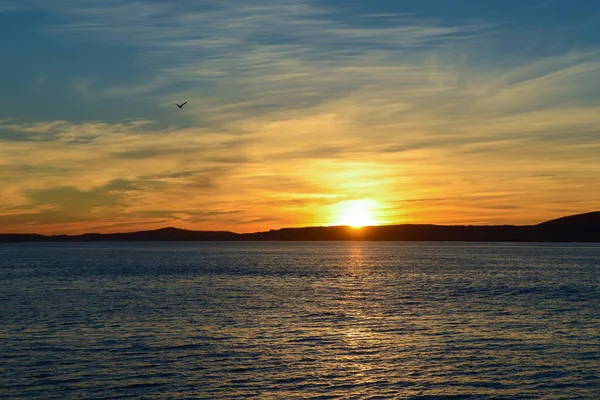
x=357, y=213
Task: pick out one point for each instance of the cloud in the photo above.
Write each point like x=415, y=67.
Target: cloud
x=252, y=57
x=485, y=161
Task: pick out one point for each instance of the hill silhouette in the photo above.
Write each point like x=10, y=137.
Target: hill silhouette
x=587, y=219
x=574, y=228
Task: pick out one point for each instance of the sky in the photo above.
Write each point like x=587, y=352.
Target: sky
x=299, y=113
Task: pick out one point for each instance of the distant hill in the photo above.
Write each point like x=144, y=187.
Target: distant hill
x=587, y=219
x=575, y=228
x=163, y=234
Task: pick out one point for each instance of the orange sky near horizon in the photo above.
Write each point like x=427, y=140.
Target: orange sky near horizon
x=88, y=186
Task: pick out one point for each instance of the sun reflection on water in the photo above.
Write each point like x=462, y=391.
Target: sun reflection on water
x=355, y=258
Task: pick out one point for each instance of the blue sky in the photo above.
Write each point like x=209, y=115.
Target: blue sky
x=420, y=107
x=59, y=51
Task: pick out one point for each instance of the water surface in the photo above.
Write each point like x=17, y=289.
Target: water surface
x=299, y=320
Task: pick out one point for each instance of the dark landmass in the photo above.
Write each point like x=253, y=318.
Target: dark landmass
x=575, y=228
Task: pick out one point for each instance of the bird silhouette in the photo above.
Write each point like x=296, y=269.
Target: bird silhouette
x=181, y=105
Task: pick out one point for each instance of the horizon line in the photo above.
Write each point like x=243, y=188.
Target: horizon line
x=358, y=228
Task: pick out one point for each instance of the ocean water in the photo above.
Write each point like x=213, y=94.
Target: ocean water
x=299, y=320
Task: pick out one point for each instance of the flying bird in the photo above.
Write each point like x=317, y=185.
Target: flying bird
x=181, y=105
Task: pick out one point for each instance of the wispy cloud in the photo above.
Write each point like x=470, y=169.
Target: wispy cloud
x=259, y=56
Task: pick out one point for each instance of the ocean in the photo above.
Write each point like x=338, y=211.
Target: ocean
x=299, y=320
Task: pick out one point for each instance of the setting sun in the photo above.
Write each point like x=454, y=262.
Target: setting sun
x=357, y=213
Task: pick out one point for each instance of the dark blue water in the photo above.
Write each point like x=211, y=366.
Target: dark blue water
x=299, y=320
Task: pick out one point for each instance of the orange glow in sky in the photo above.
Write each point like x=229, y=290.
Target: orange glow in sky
x=357, y=213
